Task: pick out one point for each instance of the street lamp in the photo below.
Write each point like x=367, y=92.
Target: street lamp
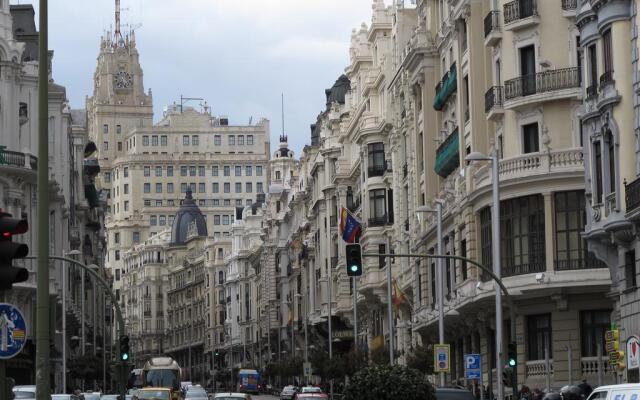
x=439, y=272
x=64, y=321
x=495, y=237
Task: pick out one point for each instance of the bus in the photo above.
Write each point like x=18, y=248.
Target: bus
x=248, y=381
x=163, y=372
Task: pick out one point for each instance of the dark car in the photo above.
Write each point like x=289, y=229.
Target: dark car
x=453, y=394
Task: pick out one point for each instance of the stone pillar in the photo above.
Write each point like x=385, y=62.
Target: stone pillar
x=548, y=232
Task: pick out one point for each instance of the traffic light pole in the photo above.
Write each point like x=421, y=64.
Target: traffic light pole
x=116, y=305
x=512, y=316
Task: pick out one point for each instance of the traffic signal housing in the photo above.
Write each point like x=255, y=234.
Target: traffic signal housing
x=10, y=251
x=508, y=375
x=354, y=259
x=124, y=348
x=512, y=353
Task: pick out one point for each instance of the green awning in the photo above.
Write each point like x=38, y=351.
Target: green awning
x=448, y=155
x=447, y=88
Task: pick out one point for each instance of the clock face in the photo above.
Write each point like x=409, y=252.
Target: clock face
x=122, y=80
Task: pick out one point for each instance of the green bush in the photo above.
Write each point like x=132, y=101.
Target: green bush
x=384, y=382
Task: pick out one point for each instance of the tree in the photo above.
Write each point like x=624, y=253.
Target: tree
x=384, y=382
x=421, y=358
x=380, y=356
x=354, y=361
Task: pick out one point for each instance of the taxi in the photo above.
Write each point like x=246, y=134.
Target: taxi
x=151, y=393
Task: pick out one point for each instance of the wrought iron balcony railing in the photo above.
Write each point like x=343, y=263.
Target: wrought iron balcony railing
x=491, y=22
x=545, y=81
x=519, y=9
x=606, y=79
x=632, y=194
x=494, y=97
x=569, y=4
x=381, y=220
x=522, y=269
x=376, y=170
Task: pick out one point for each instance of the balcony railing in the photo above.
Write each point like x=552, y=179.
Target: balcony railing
x=632, y=194
x=587, y=262
x=446, y=87
x=519, y=9
x=592, y=91
x=17, y=159
x=569, y=4
x=381, y=220
x=376, y=170
x=522, y=269
x=606, y=79
x=448, y=155
x=491, y=22
x=494, y=97
x=542, y=82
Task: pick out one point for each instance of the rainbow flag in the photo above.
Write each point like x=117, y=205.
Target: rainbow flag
x=349, y=226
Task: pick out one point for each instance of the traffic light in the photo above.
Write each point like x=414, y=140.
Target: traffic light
x=9, y=251
x=354, y=259
x=507, y=376
x=124, y=348
x=512, y=353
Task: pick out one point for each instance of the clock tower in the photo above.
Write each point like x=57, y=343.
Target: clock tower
x=119, y=103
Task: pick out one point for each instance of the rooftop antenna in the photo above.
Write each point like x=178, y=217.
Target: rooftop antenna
x=283, y=137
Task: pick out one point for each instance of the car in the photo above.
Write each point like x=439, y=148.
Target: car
x=232, y=396
x=110, y=397
x=24, y=392
x=310, y=389
x=453, y=394
x=64, y=397
x=312, y=396
x=195, y=393
x=288, y=392
x=625, y=390
x=91, y=396
x=153, y=394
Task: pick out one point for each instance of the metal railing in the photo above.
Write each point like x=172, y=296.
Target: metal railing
x=569, y=4
x=376, y=170
x=592, y=91
x=379, y=220
x=587, y=262
x=491, y=22
x=541, y=82
x=493, y=97
x=519, y=9
x=606, y=79
x=632, y=194
x=522, y=269
x=17, y=159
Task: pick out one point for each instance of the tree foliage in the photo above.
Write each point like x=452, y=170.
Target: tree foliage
x=421, y=358
x=384, y=382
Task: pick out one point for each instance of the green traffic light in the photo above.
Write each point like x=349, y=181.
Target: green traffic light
x=512, y=362
x=354, y=268
x=124, y=357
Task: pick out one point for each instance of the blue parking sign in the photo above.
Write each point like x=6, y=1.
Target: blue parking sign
x=472, y=366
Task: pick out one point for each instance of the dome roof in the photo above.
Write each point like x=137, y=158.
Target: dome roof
x=188, y=219
x=338, y=90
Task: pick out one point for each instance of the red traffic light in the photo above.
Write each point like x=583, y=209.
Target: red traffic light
x=12, y=226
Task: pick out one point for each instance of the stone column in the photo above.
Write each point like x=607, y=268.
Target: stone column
x=548, y=232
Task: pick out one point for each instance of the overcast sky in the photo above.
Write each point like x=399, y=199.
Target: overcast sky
x=239, y=55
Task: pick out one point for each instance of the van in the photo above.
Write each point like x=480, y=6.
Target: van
x=627, y=391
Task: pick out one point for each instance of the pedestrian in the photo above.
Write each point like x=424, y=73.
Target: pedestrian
x=586, y=388
x=537, y=394
x=525, y=393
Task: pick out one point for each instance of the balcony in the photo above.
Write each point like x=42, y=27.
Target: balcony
x=520, y=14
x=17, y=159
x=445, y=88
x=376, y=170
x=381, y=220
x=606, y=79
x=523, y=269
x=592, y=91
x=632, y=196
x=492, y=31
x=569, y=5
x=587, y=262
x=542, y=86
x=493, y=102
x=448, y=155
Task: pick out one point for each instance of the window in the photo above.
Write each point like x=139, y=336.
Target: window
x=107, y=176
x=105, y=146
x=227, y=187
x=116, y=238
x=119, y=146
x=184, y=171
x=147, y=203
x=225, y=220
x=259, y=187
x=154, y=140
x=169, y=170
x=240, y=140
x=105, y=128
x=570, y=218
x=238, y=202
x=215, y=187
x=530, y=138
x=192, y=186
x=248, y=202
x=195, y=140
x=377, y=207
x=593, y=66
x=214, y=170
x=147, y=188
x=538, y=336
x=117, y=255
x=232, y=140
x=147, y=171
x=238, y=187
x=522, y=235
x=163, y=140
x=217, y=140
x=136, y=237
x=145, y=140
x=607, y=51
x=169, y=187
x=118, y=129
x=201, y=188
x=248, y=170
x=249, y=140
x=158, y=171
x=163, y=220
x=630, y=269
x=216, y=202
x=183, y=187
x=158, y=187
x=216, y=220
x=593, y=325
x=125, y=172
x=258, y=170
x=126, y=188
x=485, y=238
x=611, y=155
x=227, y=170
x=185, y=140
x=376, y=160
x=227, y=202
x=192, y=170
x=248, y=187
x=238, y=170
x=153, y=220
x=528, y=69
x=277, y=175
x=597, y=162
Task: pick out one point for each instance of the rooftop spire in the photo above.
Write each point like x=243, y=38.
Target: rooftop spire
x=283, y=137
x=118, y=35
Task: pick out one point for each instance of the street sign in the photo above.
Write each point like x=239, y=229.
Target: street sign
x=13, y=331
x=633, y=352
x=306, y=367
x=441, y=357
x=472, y=366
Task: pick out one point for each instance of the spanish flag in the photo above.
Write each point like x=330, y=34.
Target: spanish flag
x=398, y=297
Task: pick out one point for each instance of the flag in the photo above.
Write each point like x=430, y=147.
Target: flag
x=349, y=226
x=398, y=297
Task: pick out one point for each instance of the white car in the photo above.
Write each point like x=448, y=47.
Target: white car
x=311, y=389
x=288, y=392
x=24, y=392
x=232, y=396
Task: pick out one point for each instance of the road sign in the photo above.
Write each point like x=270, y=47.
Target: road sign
x=633, y=352
x=472, y=366
x=306, y=367
x=13, y=331
x=441, y=357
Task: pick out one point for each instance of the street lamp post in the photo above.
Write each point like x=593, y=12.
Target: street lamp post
x=439, y=274
x=495, y=237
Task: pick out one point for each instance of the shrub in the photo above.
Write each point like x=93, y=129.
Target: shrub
x=384, y=382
